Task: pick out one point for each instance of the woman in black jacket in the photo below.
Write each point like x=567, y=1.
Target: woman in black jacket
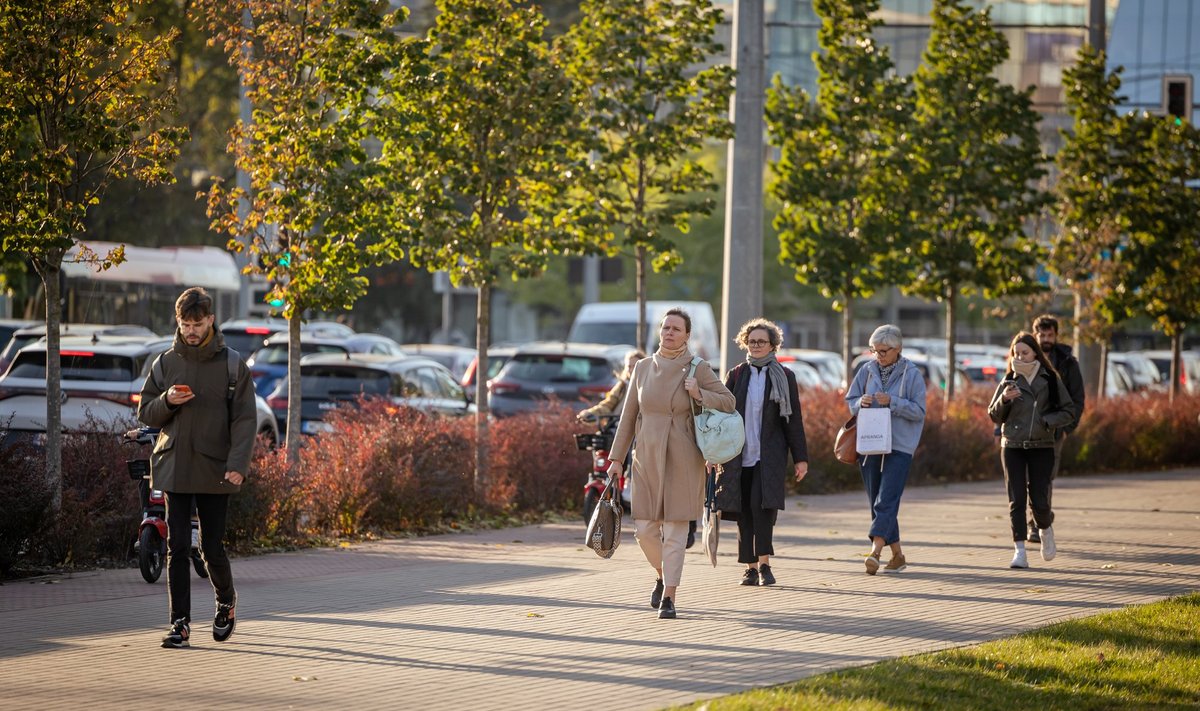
x=1030, y=404
x=768, y=400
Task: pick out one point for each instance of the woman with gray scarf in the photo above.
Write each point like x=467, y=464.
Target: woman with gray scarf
x=768, y=400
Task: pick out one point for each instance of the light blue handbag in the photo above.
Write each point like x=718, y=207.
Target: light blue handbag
x=720, y=435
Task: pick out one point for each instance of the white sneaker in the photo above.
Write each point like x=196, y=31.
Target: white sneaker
x=1048, y=548
x=1019, y=560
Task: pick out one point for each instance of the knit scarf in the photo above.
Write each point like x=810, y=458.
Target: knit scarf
x=779, y=388
x=671, y=354
x=885, y=373
x=1026, y=370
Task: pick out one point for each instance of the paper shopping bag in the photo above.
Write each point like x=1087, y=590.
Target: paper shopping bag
x=874, y=431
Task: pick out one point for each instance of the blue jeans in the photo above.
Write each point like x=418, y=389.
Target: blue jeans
x=884, y=476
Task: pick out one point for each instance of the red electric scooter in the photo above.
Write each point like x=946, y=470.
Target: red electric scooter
x=599, y=443
x=151, y=546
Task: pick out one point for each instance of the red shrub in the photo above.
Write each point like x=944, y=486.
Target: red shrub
x=535, y=454
x=1140, y=431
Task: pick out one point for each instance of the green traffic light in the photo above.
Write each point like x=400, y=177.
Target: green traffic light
x=285, y=259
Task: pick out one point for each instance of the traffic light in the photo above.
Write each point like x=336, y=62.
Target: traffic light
x=1177, y=98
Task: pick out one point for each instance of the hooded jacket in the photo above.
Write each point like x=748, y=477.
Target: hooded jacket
x=207, y=436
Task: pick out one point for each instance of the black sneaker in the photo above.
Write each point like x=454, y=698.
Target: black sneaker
x=1034, y=536
x=224, y=622
x=656, y=596
x=666, y=611
x=691, y=539
x=178, y=637
x=764, y=575
x=750, y=576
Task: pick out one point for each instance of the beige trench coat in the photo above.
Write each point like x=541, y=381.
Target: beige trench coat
x=668, y=469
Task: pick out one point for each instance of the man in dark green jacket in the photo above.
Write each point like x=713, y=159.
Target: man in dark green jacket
x=201, y=396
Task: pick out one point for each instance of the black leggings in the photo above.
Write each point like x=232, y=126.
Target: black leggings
x=1028, y=470
x=212, y=510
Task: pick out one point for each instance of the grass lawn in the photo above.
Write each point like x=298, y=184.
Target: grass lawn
x=1145, y=657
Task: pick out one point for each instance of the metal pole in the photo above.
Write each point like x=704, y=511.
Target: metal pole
x=742, y=275
x=1097, y=25
x=591, y=279
x=241, y=259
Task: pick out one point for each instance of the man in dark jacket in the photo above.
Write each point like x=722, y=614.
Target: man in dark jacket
x=1046, y=328
x=201, y=396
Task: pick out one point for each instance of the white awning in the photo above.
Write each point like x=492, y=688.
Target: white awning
x=209, y=267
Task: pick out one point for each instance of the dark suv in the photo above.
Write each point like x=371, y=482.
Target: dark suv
x=578, y=374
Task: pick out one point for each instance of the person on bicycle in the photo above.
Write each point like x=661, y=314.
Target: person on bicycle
x=610, y=406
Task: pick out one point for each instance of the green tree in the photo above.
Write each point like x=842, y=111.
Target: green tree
x=85, y=99
x=492, y=160
x=1161, y=258
x=648, y=112
x=313, y=217
x=207, y=95
x=1092, y=199
x=976, y=163
x=840, y=161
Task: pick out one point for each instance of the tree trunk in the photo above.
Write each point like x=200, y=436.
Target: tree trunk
x=1176, y=364
x=847, y=337
x=640, y=286
x=483, y=325
x=49, y=273
x=951, y=369
x=293, y=389
x=1102, y=389
x=1086, y=352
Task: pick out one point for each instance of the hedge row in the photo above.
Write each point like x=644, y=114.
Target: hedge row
x=384, y=470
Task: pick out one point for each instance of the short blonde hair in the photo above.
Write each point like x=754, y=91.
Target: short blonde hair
x=774, y=333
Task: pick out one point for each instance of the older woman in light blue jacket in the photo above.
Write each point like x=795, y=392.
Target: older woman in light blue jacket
x=894, y=382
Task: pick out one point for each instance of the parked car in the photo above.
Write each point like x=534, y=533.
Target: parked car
x=497, y=357
x=615, y=323
x=1141, y=370
x=984, y=368
x=829, y=365
x=328, y=381
x=248, y=335
x=30, y=334
x=807, y=377
x=9, y=326
x=1190, y=380
x=102, y=379
x=268, y=365
x=456, y=358
x=576, y=374
x=933, y=368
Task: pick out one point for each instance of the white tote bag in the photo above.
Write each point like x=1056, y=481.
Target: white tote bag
x=874, y=431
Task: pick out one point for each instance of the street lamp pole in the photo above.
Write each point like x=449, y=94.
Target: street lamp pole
x=742, y=274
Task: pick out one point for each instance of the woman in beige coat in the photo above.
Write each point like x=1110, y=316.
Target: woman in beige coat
x=668, y=488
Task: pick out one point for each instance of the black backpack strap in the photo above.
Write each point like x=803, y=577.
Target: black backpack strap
x=233, y=358
x=156, y=371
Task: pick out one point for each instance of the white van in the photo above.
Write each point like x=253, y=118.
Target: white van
x=616, y=322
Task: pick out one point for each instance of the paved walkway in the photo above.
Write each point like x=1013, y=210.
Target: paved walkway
x=528, y=619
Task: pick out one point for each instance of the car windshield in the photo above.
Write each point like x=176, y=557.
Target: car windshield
x=277, y=353
x=602, y=332
x=340, y=382
x=78, y=365
x=556, y=368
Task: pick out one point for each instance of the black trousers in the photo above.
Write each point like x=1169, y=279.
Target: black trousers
x=756, y=525
x=213, y=510
x=1027, y=475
